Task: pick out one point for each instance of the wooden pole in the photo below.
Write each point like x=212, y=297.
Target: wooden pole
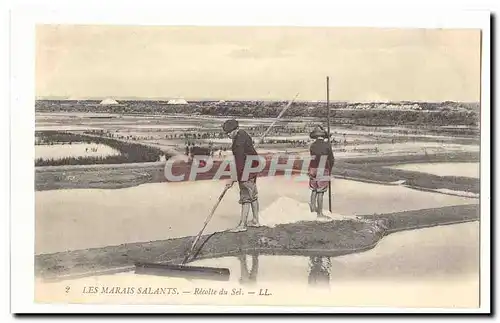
x=278, y=117
x=329, y=142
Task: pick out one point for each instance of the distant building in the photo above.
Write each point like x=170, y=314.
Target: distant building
x=177, y=101
x=108, y=102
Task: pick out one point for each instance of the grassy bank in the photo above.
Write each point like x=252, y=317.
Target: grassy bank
x=305, y=238
x=129, y=152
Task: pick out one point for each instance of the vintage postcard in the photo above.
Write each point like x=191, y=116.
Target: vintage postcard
x=304, y=166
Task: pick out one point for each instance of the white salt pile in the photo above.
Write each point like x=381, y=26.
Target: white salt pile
x=287, y=210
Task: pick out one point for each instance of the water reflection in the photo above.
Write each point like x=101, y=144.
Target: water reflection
x=442, y=254
x=319, y=269
x=249, y=275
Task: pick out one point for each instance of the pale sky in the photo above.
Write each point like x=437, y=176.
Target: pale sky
x=364, y=64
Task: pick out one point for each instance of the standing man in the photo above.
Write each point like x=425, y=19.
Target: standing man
x=242, y=147
x=319, y=170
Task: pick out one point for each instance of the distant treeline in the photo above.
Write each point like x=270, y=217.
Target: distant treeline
x=129, y=152
x=442, y=113
x=399, y=118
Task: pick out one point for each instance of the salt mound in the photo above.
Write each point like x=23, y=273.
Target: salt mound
x=287, y=210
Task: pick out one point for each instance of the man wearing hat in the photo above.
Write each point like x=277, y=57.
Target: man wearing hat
x=319, y=171
x=242, y=147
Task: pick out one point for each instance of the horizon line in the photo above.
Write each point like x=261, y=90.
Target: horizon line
x=63, y=98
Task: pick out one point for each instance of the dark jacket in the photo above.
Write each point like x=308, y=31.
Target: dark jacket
x=321, y=148
x=243, y=147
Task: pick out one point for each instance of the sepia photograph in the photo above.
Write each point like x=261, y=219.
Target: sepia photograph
x=257, y=165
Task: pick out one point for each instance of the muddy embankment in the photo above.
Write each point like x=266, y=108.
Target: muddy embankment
x=368, y=169
x=378, y=170
x=304, y=238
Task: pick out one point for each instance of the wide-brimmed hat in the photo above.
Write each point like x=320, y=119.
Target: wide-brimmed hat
x=318, y=132
x=229, y=125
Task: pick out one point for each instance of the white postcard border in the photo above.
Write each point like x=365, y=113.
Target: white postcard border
x=22, y=118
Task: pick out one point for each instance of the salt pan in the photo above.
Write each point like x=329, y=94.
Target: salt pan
x=457, y=193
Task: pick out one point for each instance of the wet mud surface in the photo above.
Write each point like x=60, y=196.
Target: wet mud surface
x=368, y=169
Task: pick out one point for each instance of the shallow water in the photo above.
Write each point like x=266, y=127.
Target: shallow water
x=445, y=252
x=162, y=126
x=59, y=151
x=424, y=146
x=63, y=127
x=443, y=169
x=91, y=218
x=434, y=267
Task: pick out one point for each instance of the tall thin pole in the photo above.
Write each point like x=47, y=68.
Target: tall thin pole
x=329, y=142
